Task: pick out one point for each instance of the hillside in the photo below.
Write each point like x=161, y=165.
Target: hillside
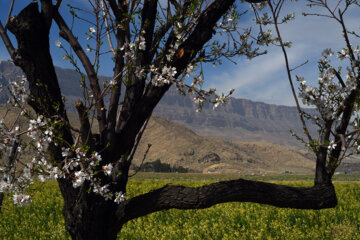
x=175, y=144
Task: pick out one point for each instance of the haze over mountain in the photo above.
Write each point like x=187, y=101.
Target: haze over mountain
x=238, y=120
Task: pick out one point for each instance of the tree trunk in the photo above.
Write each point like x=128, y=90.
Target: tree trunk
x=88, y=216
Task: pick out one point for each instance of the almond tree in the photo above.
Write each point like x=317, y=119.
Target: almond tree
x=155, y=44
x=336, y=96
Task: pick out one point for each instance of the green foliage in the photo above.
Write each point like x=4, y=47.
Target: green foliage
x=43, y=219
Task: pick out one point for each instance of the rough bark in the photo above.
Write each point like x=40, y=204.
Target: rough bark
x=180, y=197
x=90, y=217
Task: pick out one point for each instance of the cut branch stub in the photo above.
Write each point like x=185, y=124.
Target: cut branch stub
x=85, y=128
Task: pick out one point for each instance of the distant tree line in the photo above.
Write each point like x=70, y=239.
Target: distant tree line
x=158, y=166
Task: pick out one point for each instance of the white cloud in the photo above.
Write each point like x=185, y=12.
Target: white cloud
x=261, y=79
x=264, y=78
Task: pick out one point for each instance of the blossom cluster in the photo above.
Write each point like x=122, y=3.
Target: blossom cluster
x=331, y=91
x=330, y=94
x=18, y=91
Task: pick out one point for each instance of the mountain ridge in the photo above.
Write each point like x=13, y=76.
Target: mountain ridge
x=238, y=120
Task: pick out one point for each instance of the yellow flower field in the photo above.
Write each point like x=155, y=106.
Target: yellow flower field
x=43, y=219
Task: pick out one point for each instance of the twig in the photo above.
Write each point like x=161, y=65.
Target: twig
x=142, y=162
x=105, y=13
x=339, y=78
x=298, y=66
x=137, y=140
x=306, y=131
x=9, y=14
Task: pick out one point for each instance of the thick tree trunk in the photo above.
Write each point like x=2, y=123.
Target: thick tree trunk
x=88, y=216
x=33, y=56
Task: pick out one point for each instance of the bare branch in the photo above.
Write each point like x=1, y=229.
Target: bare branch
x=105, y=11
x=339, y=78
x=8, y=44
x=306, y=131
x=58, y=3
x=346, y=37
x=137, y=141
x=142, y=161
x=298, y=66
x=134, y=90
x=67, y=34
x=122, y=37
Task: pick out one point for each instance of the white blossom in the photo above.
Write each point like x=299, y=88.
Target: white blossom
x=58, y=43
x=142, y=43
x=120, y=197
x=79, y=179
x=92, y=30
x=21, y=199
x=107, y=169
x=332, y=145
x=169, y=71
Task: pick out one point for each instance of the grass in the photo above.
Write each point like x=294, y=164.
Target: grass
x=43, y=219
x=222, y=177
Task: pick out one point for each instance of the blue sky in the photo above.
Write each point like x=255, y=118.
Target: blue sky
x=264, y=78
x=261, y=79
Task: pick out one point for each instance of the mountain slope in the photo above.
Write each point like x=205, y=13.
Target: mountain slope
x=175, y=144
x=239, y=120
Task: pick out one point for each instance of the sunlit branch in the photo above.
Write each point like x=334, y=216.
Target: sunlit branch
x=105, y=14
x=9, y=14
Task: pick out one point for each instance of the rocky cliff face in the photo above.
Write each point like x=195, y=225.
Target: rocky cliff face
x=240, y=119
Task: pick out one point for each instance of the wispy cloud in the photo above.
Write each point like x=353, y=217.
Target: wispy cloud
x=261, y=79
x=264, y=78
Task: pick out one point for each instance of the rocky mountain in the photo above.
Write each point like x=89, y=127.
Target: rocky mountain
x=239, y=120
x=69, y=81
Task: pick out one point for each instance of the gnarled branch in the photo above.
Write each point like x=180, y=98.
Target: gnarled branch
x=180, y=197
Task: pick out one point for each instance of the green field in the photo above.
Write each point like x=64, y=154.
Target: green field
x=43, y=219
